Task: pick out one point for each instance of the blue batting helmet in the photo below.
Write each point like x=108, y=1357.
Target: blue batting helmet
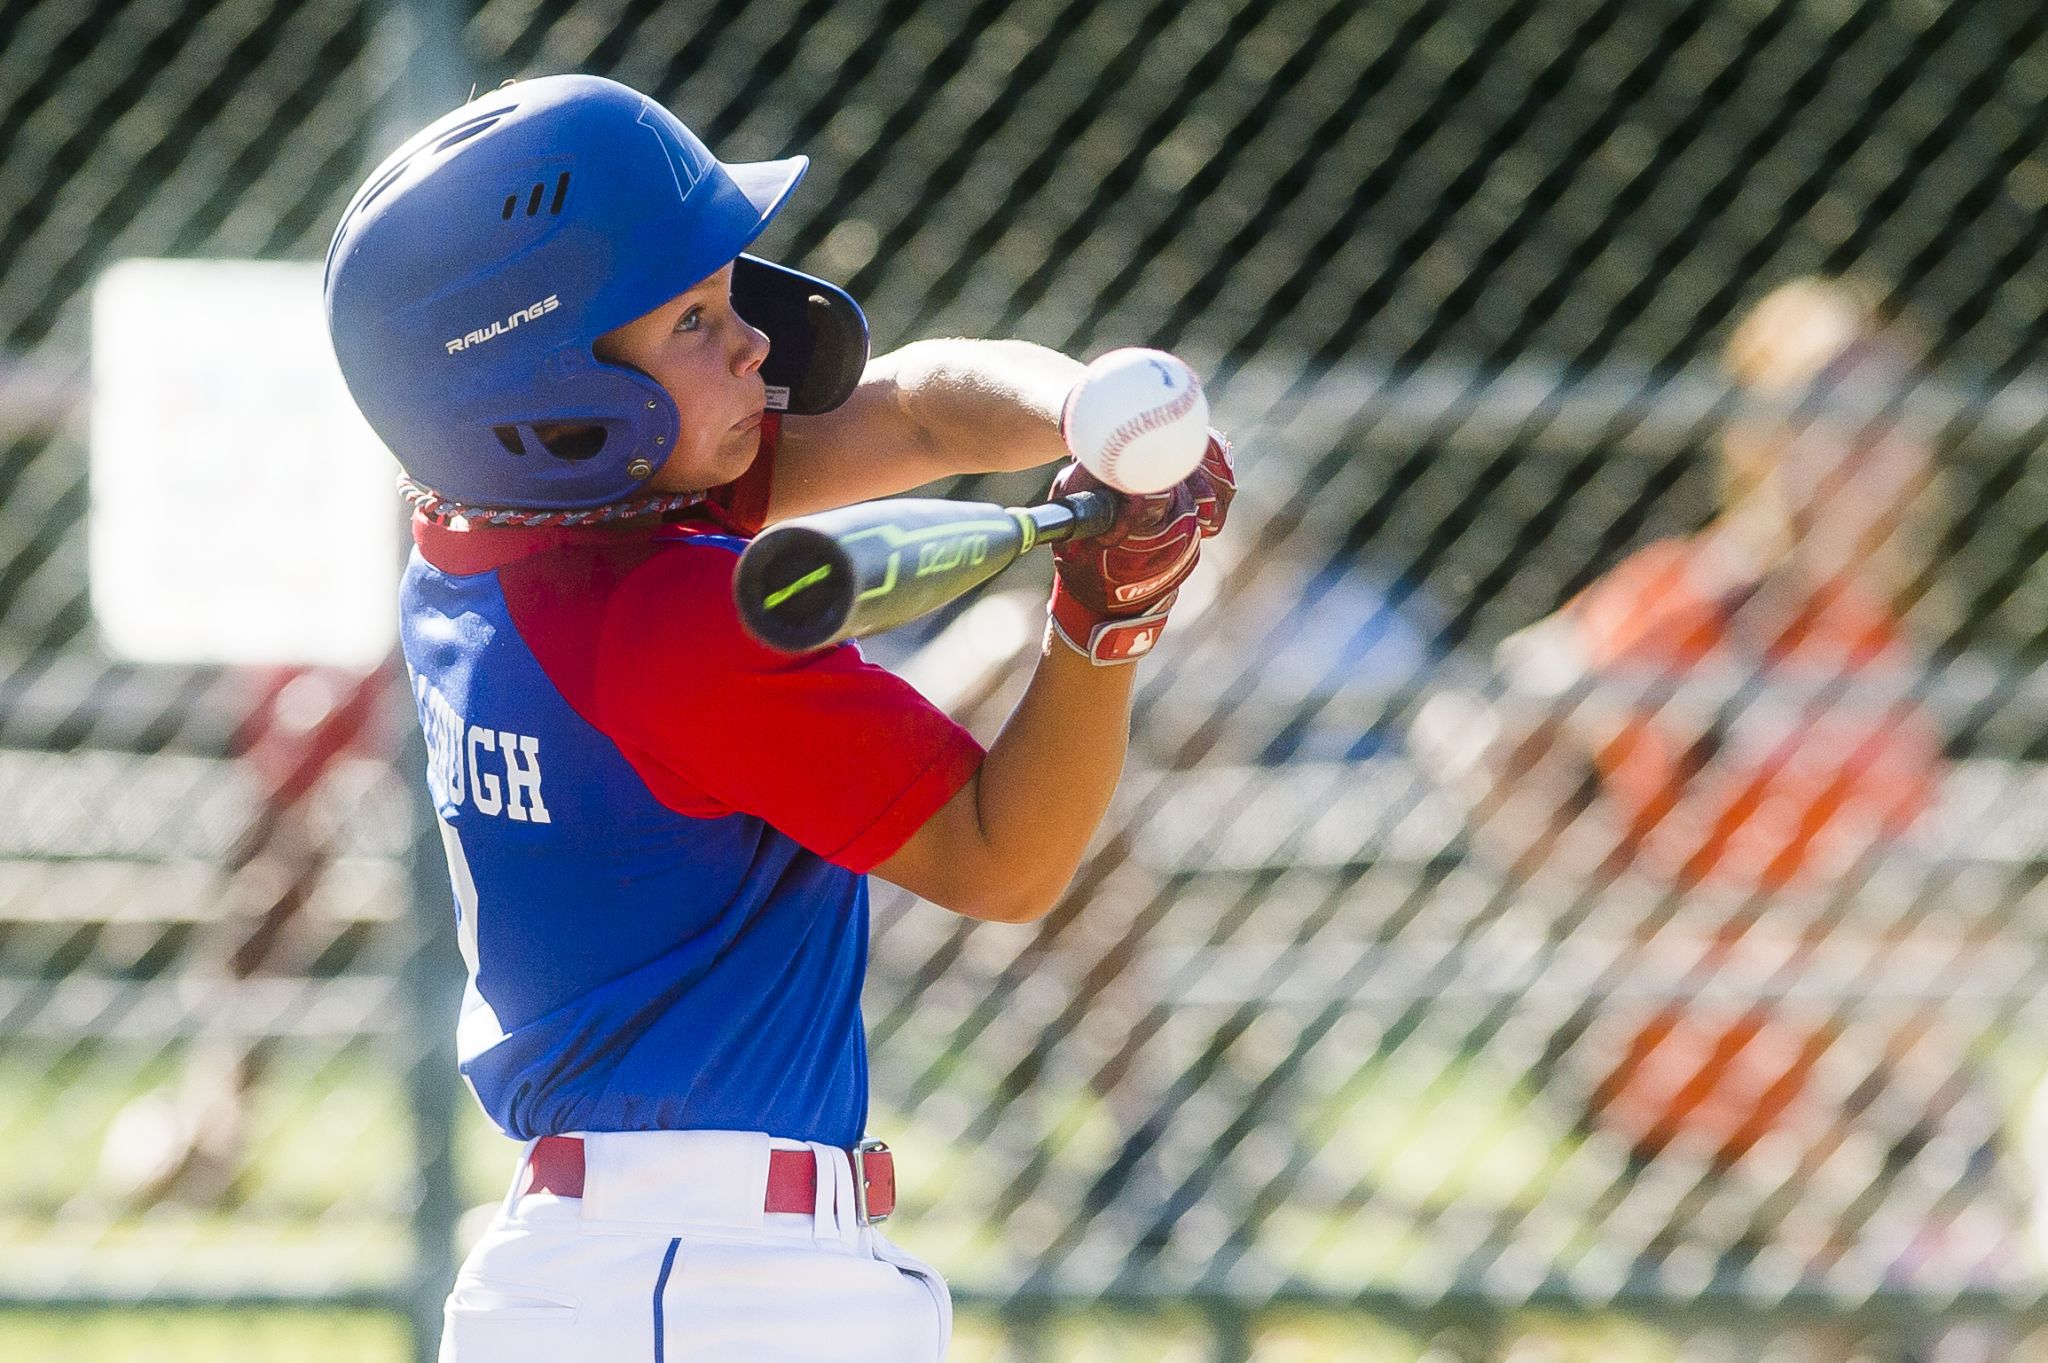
x=475, y=269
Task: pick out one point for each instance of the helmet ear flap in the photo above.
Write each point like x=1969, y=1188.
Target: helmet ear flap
x=586, y=430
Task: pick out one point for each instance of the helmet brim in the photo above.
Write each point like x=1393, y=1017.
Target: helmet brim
x=746, y=197
x=767, y=185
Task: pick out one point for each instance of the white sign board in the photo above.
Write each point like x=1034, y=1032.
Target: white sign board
x=242, y=511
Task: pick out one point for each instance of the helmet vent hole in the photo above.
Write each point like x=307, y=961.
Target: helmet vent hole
x=535, y=195
x=467, y=131
x=385, y=183
x=508, y=436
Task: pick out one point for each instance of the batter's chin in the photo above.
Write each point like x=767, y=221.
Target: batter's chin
x=736, y=464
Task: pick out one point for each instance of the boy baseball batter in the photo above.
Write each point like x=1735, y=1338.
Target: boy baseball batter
x=658, y=832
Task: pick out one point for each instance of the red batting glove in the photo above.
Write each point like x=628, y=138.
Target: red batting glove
x=1111, y=593
x=1215, y=484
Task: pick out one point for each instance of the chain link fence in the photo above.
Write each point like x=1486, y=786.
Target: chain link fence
x=214, y=1006
x=1364, y=1032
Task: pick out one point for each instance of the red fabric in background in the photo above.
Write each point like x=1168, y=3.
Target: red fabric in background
x=1765, y=802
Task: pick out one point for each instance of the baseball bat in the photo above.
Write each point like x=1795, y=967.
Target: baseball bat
x=815, y=580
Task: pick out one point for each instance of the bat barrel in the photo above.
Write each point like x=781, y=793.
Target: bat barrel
x=795, y=588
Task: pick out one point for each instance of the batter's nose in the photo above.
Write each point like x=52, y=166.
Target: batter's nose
x=753, y=348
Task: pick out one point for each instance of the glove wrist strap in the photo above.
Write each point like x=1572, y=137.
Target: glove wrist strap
x=1106, y=640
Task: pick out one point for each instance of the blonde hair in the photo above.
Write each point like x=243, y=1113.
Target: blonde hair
x=1779, y=349
x=1798, y=329
x=1781, y=346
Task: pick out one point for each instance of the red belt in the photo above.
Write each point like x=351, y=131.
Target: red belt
x=556, y=1166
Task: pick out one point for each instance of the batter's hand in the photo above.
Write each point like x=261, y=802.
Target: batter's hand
x=1215, y=483
x=1111, y=592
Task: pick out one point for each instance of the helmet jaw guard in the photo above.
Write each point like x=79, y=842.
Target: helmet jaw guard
x=470, y=278
x=817, y=335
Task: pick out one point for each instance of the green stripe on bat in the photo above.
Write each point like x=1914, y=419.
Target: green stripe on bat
x=1024, y=524
x=888, y=583
x=813, y=577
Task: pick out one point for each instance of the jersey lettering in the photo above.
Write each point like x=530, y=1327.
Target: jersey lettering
x=459, y=766
x=443, y=730
x=482, y=783
x=522, y=777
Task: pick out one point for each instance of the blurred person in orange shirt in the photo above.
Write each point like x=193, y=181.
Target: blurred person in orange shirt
x=1730, y=715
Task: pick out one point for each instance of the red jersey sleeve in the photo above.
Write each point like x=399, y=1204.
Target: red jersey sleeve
x=843, y=756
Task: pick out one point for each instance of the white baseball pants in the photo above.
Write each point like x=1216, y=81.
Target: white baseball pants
x=668, y=1257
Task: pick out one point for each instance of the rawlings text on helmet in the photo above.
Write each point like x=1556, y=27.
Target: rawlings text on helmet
x=526, y=314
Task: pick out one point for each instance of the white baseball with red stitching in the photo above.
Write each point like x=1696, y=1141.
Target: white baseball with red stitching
x=1137, y=420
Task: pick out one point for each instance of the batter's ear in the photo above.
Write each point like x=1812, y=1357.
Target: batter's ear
x=817, y=335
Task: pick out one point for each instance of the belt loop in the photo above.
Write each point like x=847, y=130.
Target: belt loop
x=510, y=1206
x=834, y=1173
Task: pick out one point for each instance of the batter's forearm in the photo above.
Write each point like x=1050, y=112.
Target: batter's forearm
x=1048, y=779
x=1006, y=845
x=983, y=406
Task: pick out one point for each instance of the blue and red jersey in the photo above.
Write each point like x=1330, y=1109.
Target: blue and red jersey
x=657, y=829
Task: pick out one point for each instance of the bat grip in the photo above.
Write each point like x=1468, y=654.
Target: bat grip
x=1073, y=517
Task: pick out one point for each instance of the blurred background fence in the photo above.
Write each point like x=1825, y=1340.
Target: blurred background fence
x=1328, y=1054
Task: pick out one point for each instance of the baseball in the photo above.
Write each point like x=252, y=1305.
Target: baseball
x=1137, y=420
